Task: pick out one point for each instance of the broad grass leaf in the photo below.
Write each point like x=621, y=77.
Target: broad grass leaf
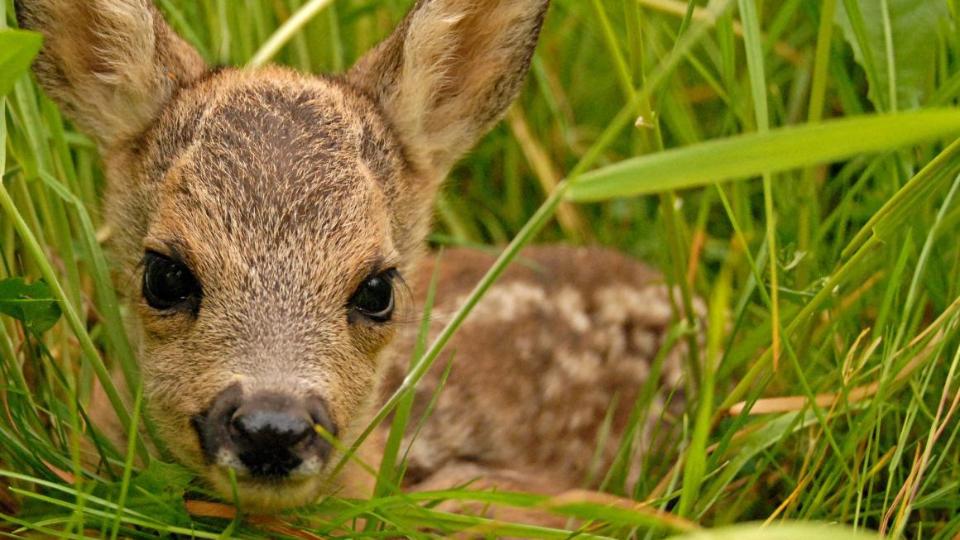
x=17, y=49
x=33, y=304
x=745, y=156
x=914, y=25
x=788, y=531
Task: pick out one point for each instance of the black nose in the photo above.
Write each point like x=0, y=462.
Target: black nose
x=270, y=433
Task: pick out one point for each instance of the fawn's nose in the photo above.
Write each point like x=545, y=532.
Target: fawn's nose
x=271, y=434
x=267, y=436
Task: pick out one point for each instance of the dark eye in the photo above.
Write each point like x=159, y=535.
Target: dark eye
x=374, y=298
x=168, y=284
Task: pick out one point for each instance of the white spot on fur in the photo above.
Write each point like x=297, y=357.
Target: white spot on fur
x=229, y=460
x=647, y=306
x=645, y=342
x=570, y=306
x=509, y=302
x=583, y=367
x=310, y=467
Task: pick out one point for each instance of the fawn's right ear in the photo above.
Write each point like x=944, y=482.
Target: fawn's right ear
x=111, y=64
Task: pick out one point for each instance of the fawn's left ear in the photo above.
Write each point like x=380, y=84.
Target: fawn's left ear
x=450, y=71
x=111, y=64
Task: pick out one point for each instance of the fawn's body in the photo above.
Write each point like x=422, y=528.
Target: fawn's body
x=267, y=217
x=565, y=338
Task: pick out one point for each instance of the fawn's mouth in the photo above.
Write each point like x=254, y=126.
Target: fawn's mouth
x=266, y=494
x=283, y=466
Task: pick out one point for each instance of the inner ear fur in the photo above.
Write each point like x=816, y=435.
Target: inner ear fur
x=449, y=72
x=110, y=64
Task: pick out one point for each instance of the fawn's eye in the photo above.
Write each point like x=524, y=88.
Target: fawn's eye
x=374, y=299
x=168, y=284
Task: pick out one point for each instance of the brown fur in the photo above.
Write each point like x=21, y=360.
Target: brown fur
x=564, y=338
x=282, y=192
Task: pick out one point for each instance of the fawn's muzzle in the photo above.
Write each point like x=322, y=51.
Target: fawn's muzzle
x=267, y=435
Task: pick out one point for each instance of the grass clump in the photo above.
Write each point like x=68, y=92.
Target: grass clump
x=794, y=163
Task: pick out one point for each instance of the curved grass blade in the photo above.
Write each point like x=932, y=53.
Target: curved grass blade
x=779, y=150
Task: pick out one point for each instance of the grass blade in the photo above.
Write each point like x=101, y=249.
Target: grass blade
x=779, y=150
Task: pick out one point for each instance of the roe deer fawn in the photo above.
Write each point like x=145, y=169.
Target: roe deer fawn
x=268, y=218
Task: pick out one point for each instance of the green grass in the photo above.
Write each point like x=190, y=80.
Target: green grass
x=791, y=162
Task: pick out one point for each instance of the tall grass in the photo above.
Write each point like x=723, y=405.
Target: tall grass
x=792, y=162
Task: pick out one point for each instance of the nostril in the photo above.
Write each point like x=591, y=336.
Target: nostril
x=321, y=417
x=211, y=426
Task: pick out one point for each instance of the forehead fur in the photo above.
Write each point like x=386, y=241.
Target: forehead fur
x=276, y=141
x=262, y=161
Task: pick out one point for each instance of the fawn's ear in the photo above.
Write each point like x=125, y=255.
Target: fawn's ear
x=111, y=64
x=450, y=71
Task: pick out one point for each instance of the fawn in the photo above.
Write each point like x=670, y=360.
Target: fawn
x=271, y=221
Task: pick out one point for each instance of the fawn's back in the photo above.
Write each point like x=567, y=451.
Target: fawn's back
x=562, y=345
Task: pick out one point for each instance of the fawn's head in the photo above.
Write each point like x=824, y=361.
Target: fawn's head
x=262, y=219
